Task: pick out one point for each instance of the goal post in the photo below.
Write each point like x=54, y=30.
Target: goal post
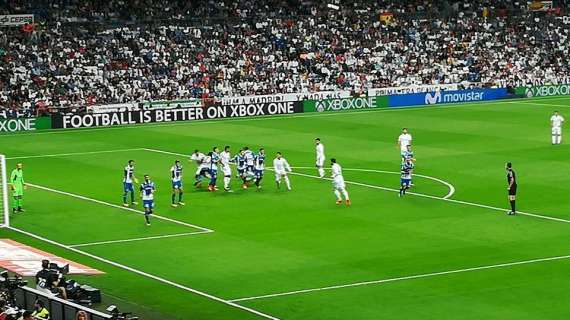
x=5, y=207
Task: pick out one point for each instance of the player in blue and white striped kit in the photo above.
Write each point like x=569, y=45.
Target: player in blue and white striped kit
x=128, y=180
x=214, y=161
x=147, y=189
x=406, y=176
x=176, y=177
x=259, y=161
x=241, y=167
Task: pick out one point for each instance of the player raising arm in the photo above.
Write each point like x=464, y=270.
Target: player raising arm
x=281, y=168
x=147, y=194
x=176, y=176
x=17, y=185
x=339, y=187
x=320, y=162
x=128, y=180
x=556, y=122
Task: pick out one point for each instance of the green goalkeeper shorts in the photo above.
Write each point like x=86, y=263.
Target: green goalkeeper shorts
x=18, y=191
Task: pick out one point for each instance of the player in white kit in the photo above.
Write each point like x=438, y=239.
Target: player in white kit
x=556, y=122
x=339, y=187
x=202, y=167
x=225, y=159
x=281, y=168
x=320, y=149
x=404, y=140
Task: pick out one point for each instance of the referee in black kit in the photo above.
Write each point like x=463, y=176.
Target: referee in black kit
x=512, y=187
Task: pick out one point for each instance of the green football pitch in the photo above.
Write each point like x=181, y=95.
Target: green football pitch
x=448, y=251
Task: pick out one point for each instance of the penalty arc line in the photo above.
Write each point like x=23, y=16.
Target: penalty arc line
x=447, y=184
x=534, y=215
x=147, y=275
x=417, y=276
x=135, y=239
x=203, y=229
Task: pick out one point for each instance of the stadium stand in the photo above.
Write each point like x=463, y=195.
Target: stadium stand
x=80, y=53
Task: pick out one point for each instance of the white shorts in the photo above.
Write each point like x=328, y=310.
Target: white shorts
x=557, y=130
x=227, y=170
x=338, y=184
x=320, y=161
x=279, y=174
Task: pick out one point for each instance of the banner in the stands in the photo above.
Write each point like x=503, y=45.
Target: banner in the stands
x=24, y=124
x=171, y=115
x=344, y=104
x=441, y=97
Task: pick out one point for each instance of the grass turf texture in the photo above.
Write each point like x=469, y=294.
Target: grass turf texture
x=276, y=241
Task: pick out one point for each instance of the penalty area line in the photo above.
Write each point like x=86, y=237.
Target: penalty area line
x=74, y=153
x=135, y=239
x=417, y=276
x=146, y=275
x=203, y=229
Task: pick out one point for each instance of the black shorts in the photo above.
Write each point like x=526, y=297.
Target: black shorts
x=513, y=190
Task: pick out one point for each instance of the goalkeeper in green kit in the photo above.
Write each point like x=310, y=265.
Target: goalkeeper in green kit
x=18, y=186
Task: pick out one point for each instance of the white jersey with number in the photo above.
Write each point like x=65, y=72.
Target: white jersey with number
x=338, y=179
x=281, y=166
x=320, y=149
x=405, y=139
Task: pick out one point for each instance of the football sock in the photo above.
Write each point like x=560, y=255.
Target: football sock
x=287, y=182
x=554, y=139
x=180, y=196
x=173, y=197
x=321, y=172
x=513, y=206
x=125, y=197
x=345, y=194
x=132, y=196
x=337, y=194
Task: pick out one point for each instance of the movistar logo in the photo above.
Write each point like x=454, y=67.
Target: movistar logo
x=433, y=98
x=453, y=96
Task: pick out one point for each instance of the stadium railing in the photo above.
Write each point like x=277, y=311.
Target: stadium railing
x=58, y=308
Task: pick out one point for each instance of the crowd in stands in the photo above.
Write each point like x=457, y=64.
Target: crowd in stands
x=88, y=52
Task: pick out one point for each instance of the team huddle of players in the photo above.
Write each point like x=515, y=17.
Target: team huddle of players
x=250, y=167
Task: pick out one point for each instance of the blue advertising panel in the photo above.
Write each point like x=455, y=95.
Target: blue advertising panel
x=441, y=97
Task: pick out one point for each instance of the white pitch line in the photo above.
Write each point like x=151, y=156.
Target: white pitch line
x=439, y=198
x=447, y=184
x=74, y=153
x=545, y=104
x=417, y=276
x=135, y=239
x=147, y=275
x=206, y=230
